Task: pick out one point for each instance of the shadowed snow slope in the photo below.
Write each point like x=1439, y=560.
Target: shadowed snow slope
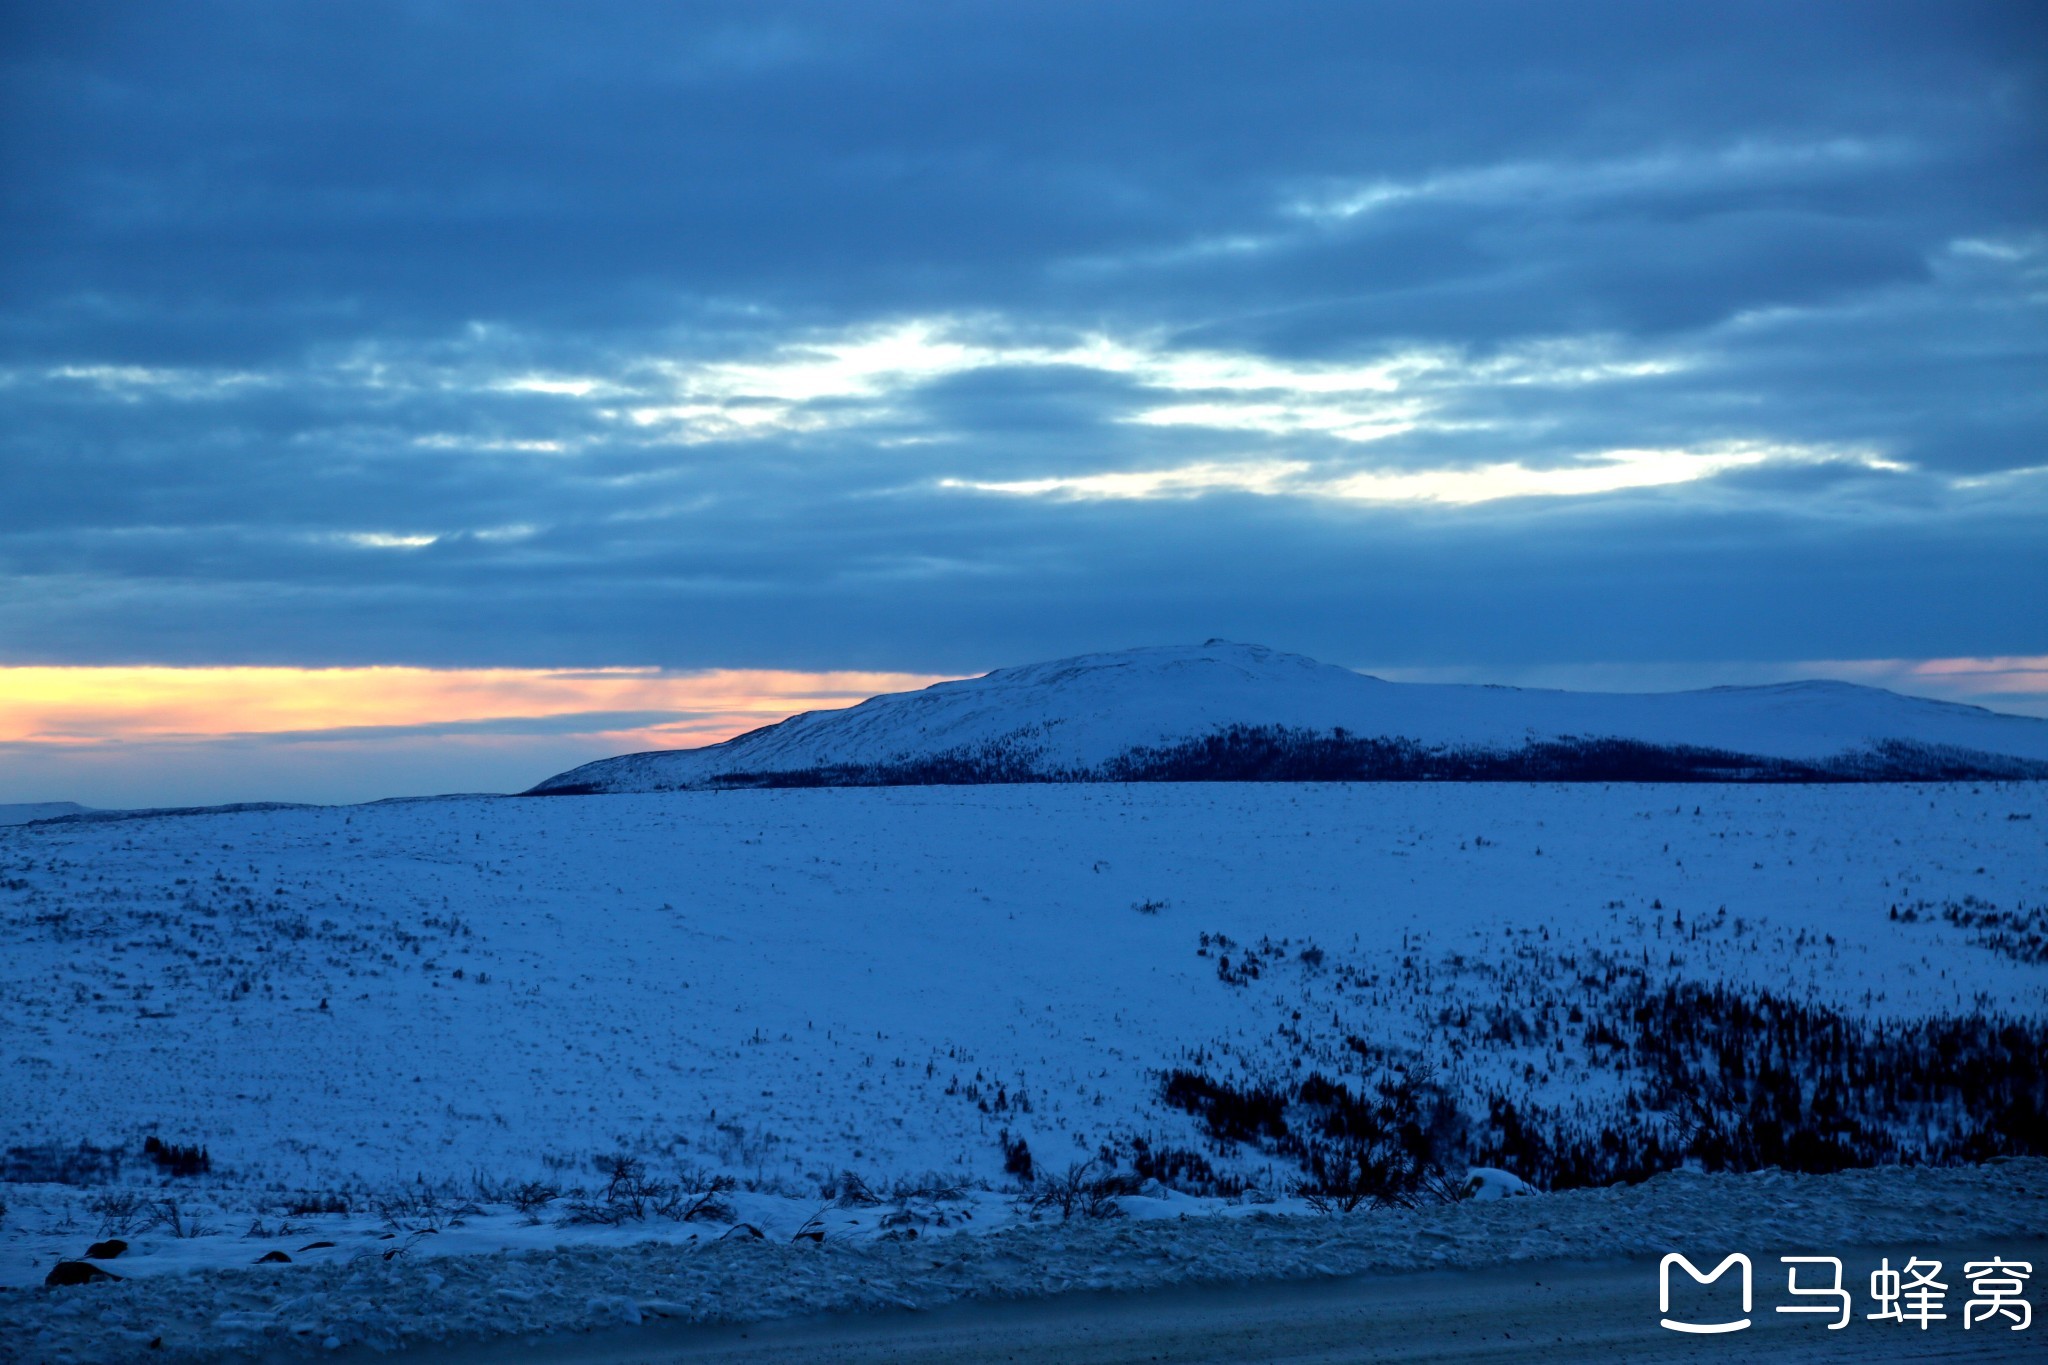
x=1224, y=711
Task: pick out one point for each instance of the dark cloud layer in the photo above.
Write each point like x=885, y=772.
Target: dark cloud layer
x=820, y=336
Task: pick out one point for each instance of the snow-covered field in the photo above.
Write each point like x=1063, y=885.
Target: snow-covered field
x=383, y=1019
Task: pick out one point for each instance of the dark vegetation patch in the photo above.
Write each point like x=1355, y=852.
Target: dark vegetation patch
x=1385, y=1143
x=1230, y=1113
x=174, y=1159
x=55, y=1163
x=1017, y=1160
x=1179, y=1168
x=2020, y=933
x=1271, y=753
x=308, y=1202
x=1278, y=753
x=1744, y=1080
x=1726, y=1078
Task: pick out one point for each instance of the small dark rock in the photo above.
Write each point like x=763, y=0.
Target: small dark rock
x=107, y=1250
x=273, y=1258
x=315, y=1246
x=76, y=1272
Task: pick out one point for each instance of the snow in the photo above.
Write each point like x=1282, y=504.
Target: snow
x=1077, y=714
x=408, y=1008
x=407, y=1300
x=1488, y=1182
x=783, y=984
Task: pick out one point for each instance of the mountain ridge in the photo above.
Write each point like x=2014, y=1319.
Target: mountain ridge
x=1228, y=711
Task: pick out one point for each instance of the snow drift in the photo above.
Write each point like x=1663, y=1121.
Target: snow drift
x=1235, y=712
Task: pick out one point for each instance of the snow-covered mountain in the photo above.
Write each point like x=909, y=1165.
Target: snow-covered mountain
x=1225, y=711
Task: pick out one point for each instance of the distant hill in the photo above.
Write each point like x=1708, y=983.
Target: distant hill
x=1234, y=712
x=39, y=810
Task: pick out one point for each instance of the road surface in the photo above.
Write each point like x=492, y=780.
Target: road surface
x=1536, y=1311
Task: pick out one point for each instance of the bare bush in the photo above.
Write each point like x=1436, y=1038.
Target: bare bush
x=1079, y=1190
x=852, y=1192
x=1370, y=1174
x=706, y=1201
x=934, y=1185
x=120, y=1211
x=630, y=1195
x=531, y=1195
x=177, y=1222
x=413, y=1211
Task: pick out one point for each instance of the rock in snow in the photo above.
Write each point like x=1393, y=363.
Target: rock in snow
x=1223, y=711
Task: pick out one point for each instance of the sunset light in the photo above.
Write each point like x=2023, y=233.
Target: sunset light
x=87, y=706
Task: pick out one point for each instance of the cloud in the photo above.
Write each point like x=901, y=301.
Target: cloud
x=1609, y=472
x=1658, y=176
x=920, y=341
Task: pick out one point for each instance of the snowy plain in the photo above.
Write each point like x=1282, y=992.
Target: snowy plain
x=786, y=983
x=379, y=1019
x=782, y=984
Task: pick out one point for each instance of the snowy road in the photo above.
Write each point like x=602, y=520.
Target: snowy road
x=1540, y=1311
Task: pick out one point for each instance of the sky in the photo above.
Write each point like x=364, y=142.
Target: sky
x=407, y=397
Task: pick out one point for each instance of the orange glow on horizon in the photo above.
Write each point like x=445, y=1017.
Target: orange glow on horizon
x=86, y=706
x=1956, y=679
x=83, y=708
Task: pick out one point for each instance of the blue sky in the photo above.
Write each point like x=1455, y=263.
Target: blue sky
x=1496, y=340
